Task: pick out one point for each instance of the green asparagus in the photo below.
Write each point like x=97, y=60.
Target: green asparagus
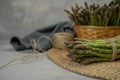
x=89, y=51
x=96, y=15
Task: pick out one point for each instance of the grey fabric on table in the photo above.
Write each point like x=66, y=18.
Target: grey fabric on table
x=25, y=42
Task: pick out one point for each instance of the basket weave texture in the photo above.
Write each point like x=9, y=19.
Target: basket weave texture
x=95, y=32
x=102, y=70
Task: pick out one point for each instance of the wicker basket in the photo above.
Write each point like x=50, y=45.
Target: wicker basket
x=94, y=32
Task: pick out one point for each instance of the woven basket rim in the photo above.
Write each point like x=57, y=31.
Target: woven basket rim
x=97, y=27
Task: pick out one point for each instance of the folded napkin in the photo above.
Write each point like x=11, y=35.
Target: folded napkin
x=25, y=42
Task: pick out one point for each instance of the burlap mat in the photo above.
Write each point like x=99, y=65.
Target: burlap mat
x=103, y=70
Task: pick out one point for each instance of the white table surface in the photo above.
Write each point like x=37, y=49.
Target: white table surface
x=38, y=69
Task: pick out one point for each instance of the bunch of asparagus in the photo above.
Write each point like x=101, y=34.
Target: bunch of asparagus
x=89, y=51
x=106, y=15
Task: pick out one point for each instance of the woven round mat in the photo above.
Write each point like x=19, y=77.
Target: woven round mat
x=103, y=70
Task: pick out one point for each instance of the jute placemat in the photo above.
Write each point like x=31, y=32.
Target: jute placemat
x=103, y=70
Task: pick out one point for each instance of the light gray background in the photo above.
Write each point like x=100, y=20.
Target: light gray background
x=20, y=18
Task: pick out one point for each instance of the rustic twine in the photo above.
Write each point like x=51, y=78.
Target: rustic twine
x=26, y=57
x=60, y=38
x=38, y=41
x=114, y=49
x=58, y=42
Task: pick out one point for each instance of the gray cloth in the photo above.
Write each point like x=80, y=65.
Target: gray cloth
x=25, y=42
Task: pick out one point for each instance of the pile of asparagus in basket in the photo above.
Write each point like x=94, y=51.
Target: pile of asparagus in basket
x=106, y=15
x=89, y=51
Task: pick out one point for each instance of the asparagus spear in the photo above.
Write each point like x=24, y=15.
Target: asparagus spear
x=91, y=60
x=86, y=5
